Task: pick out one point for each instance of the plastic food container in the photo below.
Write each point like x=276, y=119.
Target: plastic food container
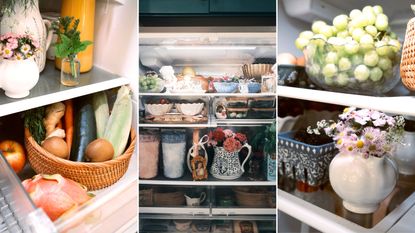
x=262, y=113
x=369, y=71
x=149, y=155
x=237, y=113
x=236, y=102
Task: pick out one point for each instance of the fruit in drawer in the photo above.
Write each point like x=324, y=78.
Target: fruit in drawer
x=14, y=154
x=55, y=194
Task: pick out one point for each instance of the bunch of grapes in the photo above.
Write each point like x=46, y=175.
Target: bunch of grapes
x=357, y=52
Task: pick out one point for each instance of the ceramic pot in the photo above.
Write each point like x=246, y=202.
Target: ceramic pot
x=17, y=77
x=173, y=144
x=226, y=165
x=149, y=156
x=405, y=154
x=362, y=183
x=29, y=21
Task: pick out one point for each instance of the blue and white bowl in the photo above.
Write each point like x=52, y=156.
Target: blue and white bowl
x=254, y=87
x=304, y=162
x=223, y=87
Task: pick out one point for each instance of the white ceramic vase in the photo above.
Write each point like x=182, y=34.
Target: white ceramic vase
x=29, y=21
x=362, y=183
x=405, y=154
x=18, y=77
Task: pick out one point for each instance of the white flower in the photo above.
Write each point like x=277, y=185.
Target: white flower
x=25, y=49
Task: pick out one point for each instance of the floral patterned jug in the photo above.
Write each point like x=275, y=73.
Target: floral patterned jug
x=226, y=165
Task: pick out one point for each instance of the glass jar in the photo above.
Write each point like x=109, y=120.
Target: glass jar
x=70, y=71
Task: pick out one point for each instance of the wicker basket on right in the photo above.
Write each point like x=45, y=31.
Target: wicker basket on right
x=407, y=68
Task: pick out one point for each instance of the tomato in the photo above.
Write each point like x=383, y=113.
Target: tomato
x=14, y=154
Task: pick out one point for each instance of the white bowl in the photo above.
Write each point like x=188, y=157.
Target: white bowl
x=190, y=109
x=158, y=109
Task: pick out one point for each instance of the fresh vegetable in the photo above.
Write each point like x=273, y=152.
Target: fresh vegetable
x=33, y=120
x=55, y=194
x=14, y=154
x=56, y=146
x=119, y=123
x=53, y=115
x=69, y=123
x=102, y=112
x=151, y=83
x=99, y=150
x=85, y=129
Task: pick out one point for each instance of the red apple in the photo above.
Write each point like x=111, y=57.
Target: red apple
x=14, y=153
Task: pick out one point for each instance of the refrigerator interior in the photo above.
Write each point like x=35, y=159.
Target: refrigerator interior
x=322, y=209
x=115, y=58
x=211, y=52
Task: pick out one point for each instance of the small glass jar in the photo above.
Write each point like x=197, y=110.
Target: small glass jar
x=70, y=71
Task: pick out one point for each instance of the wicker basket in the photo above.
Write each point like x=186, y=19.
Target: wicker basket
x=169, y=198
x=93, y=175
x=407, y=68
x=256, y=70
x=146, y=197
x=245, y=197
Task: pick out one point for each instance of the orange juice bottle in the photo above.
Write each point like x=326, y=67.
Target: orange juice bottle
x=84, y=10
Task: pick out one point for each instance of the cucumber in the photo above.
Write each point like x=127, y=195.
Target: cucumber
x=84, y=129
x=101, y=111
x=119, y=123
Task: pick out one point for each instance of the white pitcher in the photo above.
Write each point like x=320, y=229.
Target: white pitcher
x=29, y=21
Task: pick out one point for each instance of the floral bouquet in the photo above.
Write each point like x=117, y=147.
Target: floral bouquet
x=17, y=47
x=364, y=131
x=230, y=141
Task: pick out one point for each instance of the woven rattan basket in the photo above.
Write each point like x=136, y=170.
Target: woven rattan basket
x=256, y=70
x=93, y=175
x=246, y=198
x=407, y=69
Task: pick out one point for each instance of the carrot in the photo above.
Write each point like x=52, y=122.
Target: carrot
x=69, y=123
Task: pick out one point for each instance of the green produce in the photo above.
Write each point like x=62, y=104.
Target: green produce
x=84, y=130
x=101, y=111
x=119, y=123
x=358, y=51
x=33, y=120
x=151, y=83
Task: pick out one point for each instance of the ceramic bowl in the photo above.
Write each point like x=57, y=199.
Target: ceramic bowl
x=158, y=109
x=190, y=109
x=254, y=87
x=182, y=225
x=223, y=87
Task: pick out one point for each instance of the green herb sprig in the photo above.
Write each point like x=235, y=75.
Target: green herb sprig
x=33, y=120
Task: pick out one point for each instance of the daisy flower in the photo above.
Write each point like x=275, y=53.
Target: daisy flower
x=7, y=52
x=19, y=56
x=25, y=48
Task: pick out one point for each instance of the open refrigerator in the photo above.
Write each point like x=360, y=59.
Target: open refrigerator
x=113, y=209
x=321, y=210
x=210, y=52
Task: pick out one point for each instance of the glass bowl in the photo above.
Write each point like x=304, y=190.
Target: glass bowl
x=345, y=66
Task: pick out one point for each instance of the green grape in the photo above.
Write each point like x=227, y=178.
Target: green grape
x=334, y=30
x=326, y=31
x=319, y=40
x=306, y=35
x=351, y=47
x=393, y=35
x=331, y=57
x=340, y=22
x=378, y=9
x=329, y=80
x=382, y=48
x=381, y=22
x=316, y=26
x=329, y=70
x=385, y=63
x=314, y=69
x=355, y=13
x=344, y=64
x=301, y=43
x=372, y=30
x=368, y=10
x=362, y=73
x=357, y=59
x=371, y=58
x=366, y=39
x=376, y=74
x=361, y=21
x=342, y=79
x=343, y=34
x=395, y=44
x=357, y=34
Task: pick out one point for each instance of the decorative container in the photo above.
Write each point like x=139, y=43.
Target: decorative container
x=70, y=71
x=408, y=53
x=255, y=71
x=169, y=198
x=254, y=87
x=190, y=109
x=405, y=154
x=261, y=113
x=17, y=77
x=361, y=182
x=149, y=155
x=94, y=176
x=174, y=153
x=371, y=80
x=271, y=166
x=262, y=102
x=242, y=226
x=158, y=109
x=251, y=197
x=84, y=10
x=146, y=197
x=29, y=21
x=223, y=87
x=236, y=102
x=304, y=162
x=226, y=165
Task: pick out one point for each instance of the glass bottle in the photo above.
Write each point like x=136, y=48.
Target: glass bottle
x=70, y=71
